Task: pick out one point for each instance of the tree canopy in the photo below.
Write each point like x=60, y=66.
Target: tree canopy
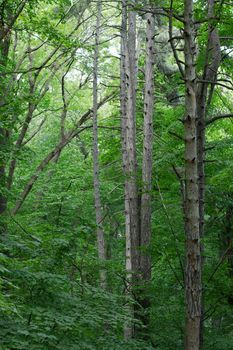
x=116, y=201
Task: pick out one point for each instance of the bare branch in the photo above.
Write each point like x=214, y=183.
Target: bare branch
x=57, y=149
x=218, y=117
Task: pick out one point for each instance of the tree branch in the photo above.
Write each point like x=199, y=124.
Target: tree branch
x=218, y=117
x=57, y=149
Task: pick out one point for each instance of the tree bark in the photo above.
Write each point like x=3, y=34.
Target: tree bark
x=145, y=232
x=212, y=62
x=131, y=165
x=193, y=286
x=4, y=50
x=128, y=327
x=128, y=126
x=98, y=207
x=145, y=264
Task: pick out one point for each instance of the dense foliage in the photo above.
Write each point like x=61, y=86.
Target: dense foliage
x=50, y=293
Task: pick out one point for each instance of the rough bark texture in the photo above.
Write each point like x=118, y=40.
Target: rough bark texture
x=193, y=287
x=128, y=125
x=128, y=328
x=131, y=164
x=145, y=218
x=145, y=263
x=98, y=207
x=212, y=62
x=124, y=125
x=145, y=205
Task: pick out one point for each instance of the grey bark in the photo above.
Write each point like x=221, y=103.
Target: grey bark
x=123, y=97
x=124, y=119
x=128, y=126
x=97, y=198
x=145, y=263
x=145, y=205
x=128, y=327
x=212, y=62
x=193, y=286
x=131, y=164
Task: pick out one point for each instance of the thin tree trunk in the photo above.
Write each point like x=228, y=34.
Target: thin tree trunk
x=145, y=259
x=131, y=165
x=212, y=62
x=123, y=101
x=4, y=50
x=31, y=109
x=128, y=124
x=98, y=207
x=128, y=328
x=123, y=93
x=193, y=286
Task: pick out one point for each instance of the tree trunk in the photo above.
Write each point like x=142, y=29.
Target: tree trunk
x=4, y=50
x=193, y=286
x=98, y=207
x=131, y=165
x=212, y=62
x=128, y=125
x=145, y=233
x=128, y=327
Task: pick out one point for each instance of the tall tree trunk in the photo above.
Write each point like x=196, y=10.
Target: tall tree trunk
x=98, y=209
x=128, y=125
x=128, y=327
x=123, y=106
x=193, y=286
x=131, y=165
x=4, y=50
x=212, y=62
x=145, y=232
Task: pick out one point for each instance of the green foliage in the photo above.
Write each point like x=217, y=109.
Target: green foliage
x=50, y=294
